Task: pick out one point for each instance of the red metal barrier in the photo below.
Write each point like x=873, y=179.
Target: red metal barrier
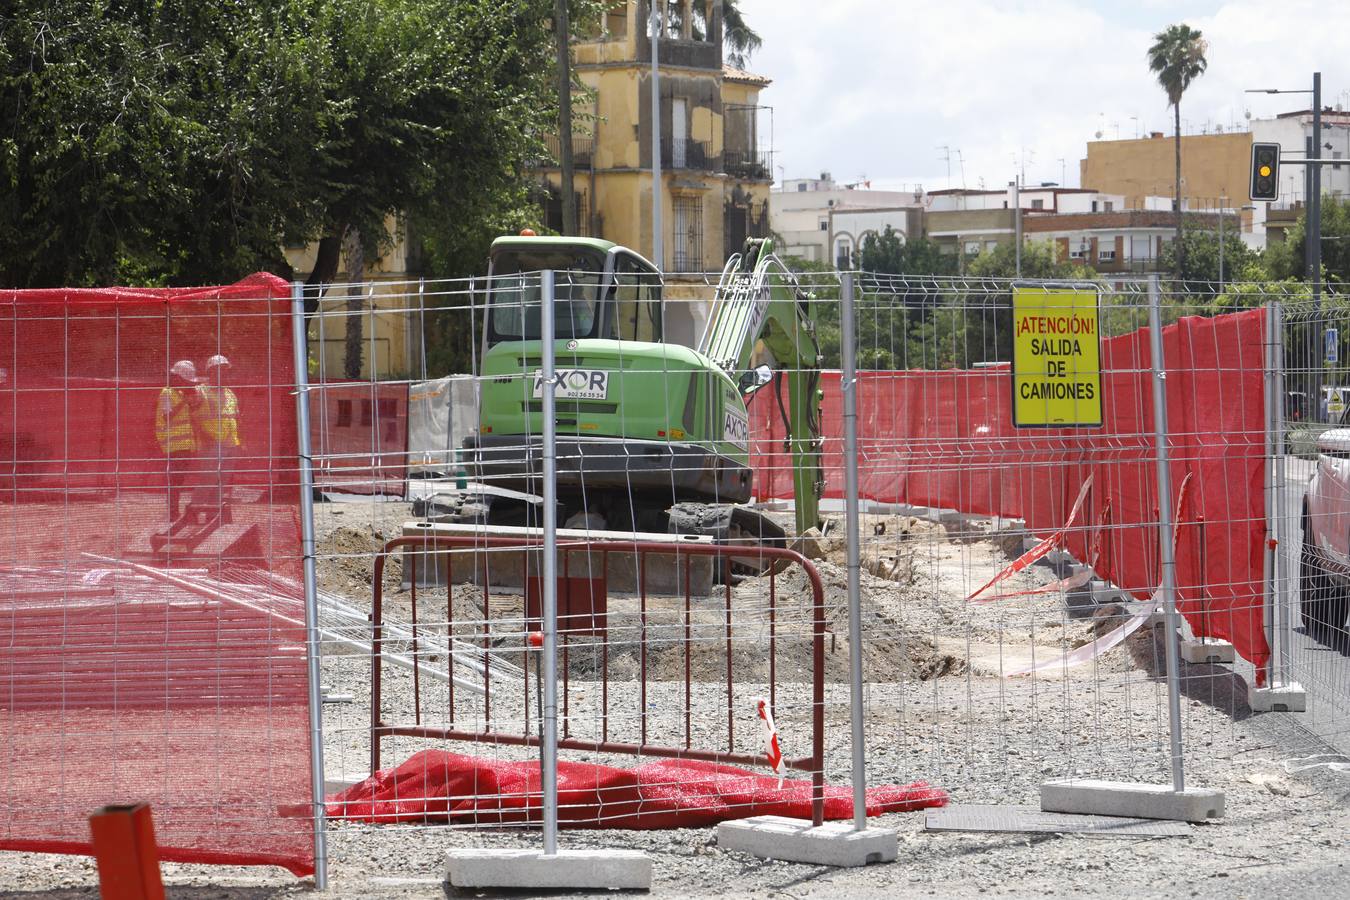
x=683, y=553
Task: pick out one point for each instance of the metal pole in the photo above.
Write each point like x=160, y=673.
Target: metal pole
x=1165, y=528
x=548, y=749
x=1223, y=202
x=1314, y=230
x=848, y=357
x=312, y=646
x=658, y=231
x=1269, y=557
x=1314, y=348
x=1017, y=222
x=562, y=36
x=1283, y=595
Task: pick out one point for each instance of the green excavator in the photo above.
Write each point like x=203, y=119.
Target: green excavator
x=651, y=436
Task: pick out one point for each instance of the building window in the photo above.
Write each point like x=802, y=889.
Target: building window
x=1109, y=205
x=801, y=185
x=616, y=22
x=688, y=222
x=1094, y=205
x=1038, y=204
x=843, y=255
x=824, y=225
x=973, y=247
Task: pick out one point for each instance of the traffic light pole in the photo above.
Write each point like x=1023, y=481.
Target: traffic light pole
x=1314, y=236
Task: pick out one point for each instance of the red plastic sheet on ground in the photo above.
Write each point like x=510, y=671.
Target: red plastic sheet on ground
x=119, y=684
x=436, y=786
x=946, y=439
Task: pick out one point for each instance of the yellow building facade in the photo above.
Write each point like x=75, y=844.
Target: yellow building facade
x=391, y=302
x=715, y=180
x=1214, y=169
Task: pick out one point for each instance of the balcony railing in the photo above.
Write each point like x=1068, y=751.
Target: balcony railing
x=684, y=153
x=582, y=150
x=753, y=165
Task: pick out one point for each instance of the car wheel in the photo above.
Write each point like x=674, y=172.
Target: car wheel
x=1322, y=603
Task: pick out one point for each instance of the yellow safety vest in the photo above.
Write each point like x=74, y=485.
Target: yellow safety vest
x=219, y=415
x=173, y=422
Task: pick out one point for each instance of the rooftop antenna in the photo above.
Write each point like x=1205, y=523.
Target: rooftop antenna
x=947, y=155
x=962, y=161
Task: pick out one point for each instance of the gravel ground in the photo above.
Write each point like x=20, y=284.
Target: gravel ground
x=936, y=709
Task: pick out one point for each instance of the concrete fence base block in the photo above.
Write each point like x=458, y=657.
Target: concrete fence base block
x=1138, y=801
x=796, y=840
x=333, y=784
x=1280, y=698
x=594, y=870
x=1207, y=651
x=1105, y=593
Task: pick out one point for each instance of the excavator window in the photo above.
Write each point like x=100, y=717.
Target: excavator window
x=514, y=294
x=637, y=302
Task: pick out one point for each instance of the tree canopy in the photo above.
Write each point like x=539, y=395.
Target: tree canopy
x=177, y=142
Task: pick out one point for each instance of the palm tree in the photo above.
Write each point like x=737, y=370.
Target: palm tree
x=739, y=40
x=1177, y=57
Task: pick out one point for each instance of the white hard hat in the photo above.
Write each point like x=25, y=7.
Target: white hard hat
x=217, y=360
x=184, y=369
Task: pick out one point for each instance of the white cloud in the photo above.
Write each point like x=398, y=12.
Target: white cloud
x=867, y=87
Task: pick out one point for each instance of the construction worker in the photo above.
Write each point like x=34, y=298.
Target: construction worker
x=217, y=421
x=175, y=429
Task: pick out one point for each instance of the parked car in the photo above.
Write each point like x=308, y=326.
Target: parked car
x=1324, y=571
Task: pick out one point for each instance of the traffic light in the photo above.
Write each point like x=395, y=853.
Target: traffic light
x=1265, y=171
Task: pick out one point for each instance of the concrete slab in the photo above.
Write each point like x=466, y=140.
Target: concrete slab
x=1289, y=697
x=1030, y=820
x=594, y=870
x=1129, y=800
x=1207, y=651
x=796, y=840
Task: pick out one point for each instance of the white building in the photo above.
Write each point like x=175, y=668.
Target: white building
x=800, y=212
x=1291, y=131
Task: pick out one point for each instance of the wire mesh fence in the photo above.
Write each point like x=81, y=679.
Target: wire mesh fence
x=1012, y=553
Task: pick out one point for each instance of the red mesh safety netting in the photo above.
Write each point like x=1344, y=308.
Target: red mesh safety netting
x=437, y=786
x=152, y=645
x=946, y=439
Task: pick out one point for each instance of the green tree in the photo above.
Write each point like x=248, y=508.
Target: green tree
x=1177, y=57
x=1286, y=259
x=1198, y=263
x=167, y=142
x=739, y=40
x=1039, y=260
x=181, y=142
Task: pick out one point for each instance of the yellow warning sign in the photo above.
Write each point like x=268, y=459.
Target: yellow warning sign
x=1056, y=366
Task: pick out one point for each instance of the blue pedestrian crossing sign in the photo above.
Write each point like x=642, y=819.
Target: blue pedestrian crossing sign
x=1333, y=346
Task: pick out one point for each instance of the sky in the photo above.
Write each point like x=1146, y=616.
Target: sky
x=876, y=89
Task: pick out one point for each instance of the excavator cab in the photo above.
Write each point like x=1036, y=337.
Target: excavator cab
x=601, y=291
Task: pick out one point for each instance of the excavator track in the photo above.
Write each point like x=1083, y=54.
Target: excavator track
x=739, y=526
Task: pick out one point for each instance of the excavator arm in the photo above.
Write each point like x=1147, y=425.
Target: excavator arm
x=761, y=317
